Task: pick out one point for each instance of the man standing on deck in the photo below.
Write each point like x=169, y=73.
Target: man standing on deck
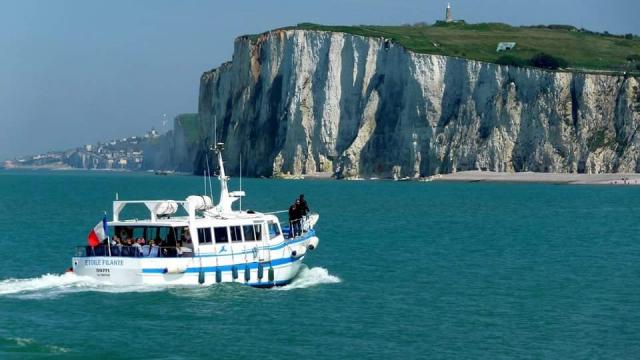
x=304, y=208
x=293, y=219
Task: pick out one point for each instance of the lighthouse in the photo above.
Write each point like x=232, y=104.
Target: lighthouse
x=448, y=17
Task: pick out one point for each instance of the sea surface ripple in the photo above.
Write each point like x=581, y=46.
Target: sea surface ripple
x=411, y=270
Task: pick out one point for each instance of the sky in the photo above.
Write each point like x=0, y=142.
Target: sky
x=75, y=72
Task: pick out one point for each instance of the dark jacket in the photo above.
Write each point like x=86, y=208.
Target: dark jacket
x=304, y=208
x=294, y=213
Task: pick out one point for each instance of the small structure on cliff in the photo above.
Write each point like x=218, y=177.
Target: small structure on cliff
x=505, y=46
x=448, y=16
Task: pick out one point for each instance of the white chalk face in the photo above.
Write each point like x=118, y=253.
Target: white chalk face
x=350, y=101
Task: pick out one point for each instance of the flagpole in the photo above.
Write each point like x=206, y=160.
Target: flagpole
x=106, y=232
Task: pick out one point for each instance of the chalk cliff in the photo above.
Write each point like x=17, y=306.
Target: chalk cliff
x=302, y=102
x=177, y=150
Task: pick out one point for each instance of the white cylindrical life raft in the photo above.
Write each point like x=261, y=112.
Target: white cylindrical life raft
x=168, y=207
x=200, y=202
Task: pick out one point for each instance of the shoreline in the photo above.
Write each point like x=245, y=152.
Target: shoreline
x=471, y=176
x=548, y=178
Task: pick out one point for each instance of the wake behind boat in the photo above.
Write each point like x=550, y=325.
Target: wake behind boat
x=211, y=244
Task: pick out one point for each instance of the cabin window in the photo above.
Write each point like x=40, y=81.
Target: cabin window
x=221, y=234
x=181, y=233
x=120, y=232
x=258, y=230
x=249, y=235
x=274, y=230
x=236, y=233
x=159, y=234
x=204, y=236
x=129, y=232
x=139, y=233
x=153, y=233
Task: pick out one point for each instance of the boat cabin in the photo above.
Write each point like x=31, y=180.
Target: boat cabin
x=200, y=232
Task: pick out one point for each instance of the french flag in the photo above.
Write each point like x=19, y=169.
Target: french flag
x=98, y=233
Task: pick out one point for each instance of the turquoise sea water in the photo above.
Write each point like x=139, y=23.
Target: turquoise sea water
x=403, y=270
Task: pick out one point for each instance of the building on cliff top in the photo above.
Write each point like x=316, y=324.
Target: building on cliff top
x=505, y=46
x=448, y=17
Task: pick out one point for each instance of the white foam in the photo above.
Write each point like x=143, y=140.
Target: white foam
x=25, y=342
x=43, y=283
x=52, y=285
x=22, y=342
x=311, y=277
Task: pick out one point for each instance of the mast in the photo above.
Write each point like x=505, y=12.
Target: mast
x=224, y=202
x=241, y=180
x=226, y=198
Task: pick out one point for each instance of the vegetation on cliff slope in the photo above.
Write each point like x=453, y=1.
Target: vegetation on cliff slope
x=576, y=49
x=191, y=126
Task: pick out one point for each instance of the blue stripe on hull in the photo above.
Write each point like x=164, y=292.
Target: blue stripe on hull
x=239, y=266
x=270, y=284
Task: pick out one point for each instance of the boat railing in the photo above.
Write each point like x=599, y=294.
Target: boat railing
x=303, y=225
x=130, y=251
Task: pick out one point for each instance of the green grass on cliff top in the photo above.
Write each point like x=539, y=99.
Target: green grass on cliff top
x=582, y=49
x=191, y=126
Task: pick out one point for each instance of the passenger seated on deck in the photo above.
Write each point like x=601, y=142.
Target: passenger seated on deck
x=183, y=251
x=137, y=248
x=145, y=250
x=126, y=248
x=186, y=239
x=116, y=248
x=154, y=250
x=179, y=249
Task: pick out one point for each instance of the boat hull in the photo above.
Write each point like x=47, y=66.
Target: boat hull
x=184, y=271
x=249, y=267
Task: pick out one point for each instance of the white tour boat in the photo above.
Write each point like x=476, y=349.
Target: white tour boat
x=210, y=243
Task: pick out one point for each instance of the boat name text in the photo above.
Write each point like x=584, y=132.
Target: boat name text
x=103, y=262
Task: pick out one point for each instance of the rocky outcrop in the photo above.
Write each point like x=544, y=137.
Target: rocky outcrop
x=177, y=149
x=301, y=102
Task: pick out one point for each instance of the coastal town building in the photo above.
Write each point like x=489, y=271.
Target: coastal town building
x=122, y=154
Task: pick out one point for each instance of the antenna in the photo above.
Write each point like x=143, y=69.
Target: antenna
x=210, y=187
x=215, y=129
x=241, y=179
x=215, y=144
x=204, y=177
